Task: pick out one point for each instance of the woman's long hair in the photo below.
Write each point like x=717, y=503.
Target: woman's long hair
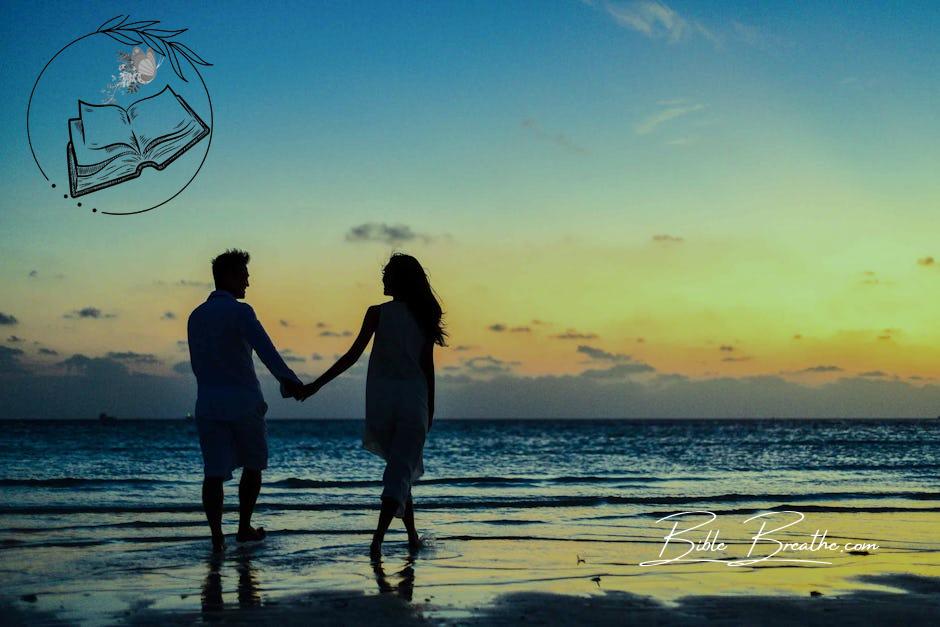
x=405, y=279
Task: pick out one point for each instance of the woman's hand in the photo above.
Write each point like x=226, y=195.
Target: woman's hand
x=309, y=390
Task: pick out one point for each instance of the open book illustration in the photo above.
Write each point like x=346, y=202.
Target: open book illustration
x=109, y=144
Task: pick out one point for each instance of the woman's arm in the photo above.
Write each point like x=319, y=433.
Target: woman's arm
x=427, y=365
x=369, y=323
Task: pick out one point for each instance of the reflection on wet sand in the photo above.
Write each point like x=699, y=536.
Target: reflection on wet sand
x=406, y=584
x=248, y=590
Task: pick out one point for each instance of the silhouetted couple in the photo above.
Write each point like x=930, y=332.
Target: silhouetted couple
x=230, y=408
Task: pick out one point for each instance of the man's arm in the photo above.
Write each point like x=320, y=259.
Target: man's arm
x=258, y=339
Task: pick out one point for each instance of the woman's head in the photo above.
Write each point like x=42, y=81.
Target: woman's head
x=405, y=280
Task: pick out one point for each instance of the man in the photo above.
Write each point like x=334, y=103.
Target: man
x=229, y=406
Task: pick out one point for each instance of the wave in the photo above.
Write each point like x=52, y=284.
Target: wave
x=294, y=483
x=506, y=503
x=74, y=482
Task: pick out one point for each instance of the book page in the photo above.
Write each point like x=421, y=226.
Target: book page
x=156, y=117
x=105, y=126
x=95, y=166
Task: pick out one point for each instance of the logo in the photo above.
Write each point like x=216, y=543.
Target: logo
x=120, y=120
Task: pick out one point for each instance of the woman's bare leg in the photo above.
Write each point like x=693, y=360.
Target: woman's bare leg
x=389, y=507
x=414, y=541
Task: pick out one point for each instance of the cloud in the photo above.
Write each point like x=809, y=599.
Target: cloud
x=820, y=369
x=559, y=139
x=498, y=327
x=48, y=351
x=465, y=347
x=618, y=371
x=15, y=339
x=926, y=261
x=316, y=357
x=335, y=334
x=668, y=239
x=520, y=330
x=10, y=361
x=132, y=357
x=726, y=348
x=322, y=325
x=874, y=373
x=8, y=319
x=190, y=283
x=89, y=312
x=284, y=323
x=652, y=19
x=733, y=359
x=602, y=355
x=168, y=315
x=182, y=367
x=290, y=357
x=571, y=334
x=182, y=345
x=393, y=235
x=669, y=112
x=97, y=367
x=488, y=365
x=33, y=274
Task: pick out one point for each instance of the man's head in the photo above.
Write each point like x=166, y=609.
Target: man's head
x=230, y=271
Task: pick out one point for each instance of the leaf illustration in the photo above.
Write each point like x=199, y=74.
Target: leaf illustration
x=162, y=33
x=153, y=42
x=175, y=63
x=188, y=53
x=125, y=39
x=117, y=20
x=139, y=25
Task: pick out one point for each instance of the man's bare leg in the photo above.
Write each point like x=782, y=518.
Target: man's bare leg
x=212, y=504
x=248, y=489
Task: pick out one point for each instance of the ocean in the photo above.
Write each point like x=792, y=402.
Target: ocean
x=110, y=512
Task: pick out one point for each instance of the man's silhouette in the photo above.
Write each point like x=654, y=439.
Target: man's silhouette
x=229, y=406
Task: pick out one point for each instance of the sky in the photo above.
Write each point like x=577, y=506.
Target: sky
x=698, y=209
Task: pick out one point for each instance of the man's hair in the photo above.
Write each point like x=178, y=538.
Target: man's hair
x=228, y=262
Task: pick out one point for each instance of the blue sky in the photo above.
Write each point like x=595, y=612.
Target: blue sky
x=696, y=174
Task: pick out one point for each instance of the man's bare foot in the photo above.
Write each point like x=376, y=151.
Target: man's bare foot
x=218, y=544
x=250, y=535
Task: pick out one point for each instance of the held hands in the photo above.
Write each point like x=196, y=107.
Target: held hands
x=294, y=389
x=309, y=390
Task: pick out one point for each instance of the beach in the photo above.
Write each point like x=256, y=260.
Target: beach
x=108, y=528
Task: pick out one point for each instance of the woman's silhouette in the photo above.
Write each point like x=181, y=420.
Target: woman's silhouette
x=399, y=385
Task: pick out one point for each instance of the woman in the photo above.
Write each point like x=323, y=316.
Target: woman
x=399, y=385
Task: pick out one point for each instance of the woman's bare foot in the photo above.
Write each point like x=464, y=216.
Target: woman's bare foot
x=250, y=535
x=218, y=544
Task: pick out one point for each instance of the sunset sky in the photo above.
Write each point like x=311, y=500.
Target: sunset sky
x=627, y=208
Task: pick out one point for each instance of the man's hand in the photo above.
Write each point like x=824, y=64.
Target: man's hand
x=294, y=388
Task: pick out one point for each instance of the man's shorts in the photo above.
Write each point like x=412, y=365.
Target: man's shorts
x=229, y=444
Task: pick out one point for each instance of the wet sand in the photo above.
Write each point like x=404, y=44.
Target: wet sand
x=515, y=572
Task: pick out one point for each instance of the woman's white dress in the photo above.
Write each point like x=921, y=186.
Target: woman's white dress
x=397, y=400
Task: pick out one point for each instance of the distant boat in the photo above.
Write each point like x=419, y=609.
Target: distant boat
x=104, y=418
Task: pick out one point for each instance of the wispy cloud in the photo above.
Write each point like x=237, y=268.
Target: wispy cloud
x=8, y=319
x=392, y=234
x=602, y=355
x=168, y=315
x=670, y=110
x=668, y=239
x=559, y=139
x=571, y=334
x=926, y=261
x=656, y=20
x=92, y=313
